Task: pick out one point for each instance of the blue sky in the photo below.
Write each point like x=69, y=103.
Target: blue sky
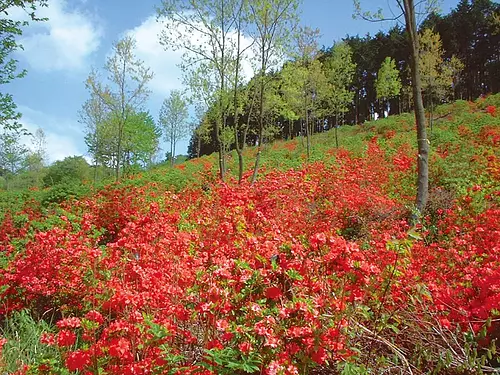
x=59, y=54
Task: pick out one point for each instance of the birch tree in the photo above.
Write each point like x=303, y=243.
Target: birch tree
x=203, y=30
x=125, y=93
x=272, y=25
x=173, y=120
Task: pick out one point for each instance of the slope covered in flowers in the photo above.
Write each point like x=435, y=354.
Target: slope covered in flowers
x=312, y=270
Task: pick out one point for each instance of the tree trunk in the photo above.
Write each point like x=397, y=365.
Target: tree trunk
x=261, y=116
x=308, y=135
x=423, y=142
x=198, y=147
x=431, y=112
x=118, y=153
x=171, y=152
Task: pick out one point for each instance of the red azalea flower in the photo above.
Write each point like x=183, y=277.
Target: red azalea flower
x=65, y=338
x=77, y=360
x=95, y=316
x=273, y=292
x=119, y=348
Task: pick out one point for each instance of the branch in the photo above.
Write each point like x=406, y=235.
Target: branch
x=375, y=337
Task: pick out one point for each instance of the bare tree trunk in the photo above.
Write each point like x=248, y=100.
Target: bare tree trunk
x=423, y=142
x=198, y=147
x=308, y=135
x=171, y=152
x=261, y=116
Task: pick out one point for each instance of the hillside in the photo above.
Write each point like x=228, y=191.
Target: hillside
x=311, y=270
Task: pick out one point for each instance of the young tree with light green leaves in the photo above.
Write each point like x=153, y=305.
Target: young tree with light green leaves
x=339, y=70
x=124, y=95
x=388, y=83
x=12, y=154
x=272, y=24
x=141, y=141
x=173, y=120
x=310, y=78
x=437, y=74
x=204, y=29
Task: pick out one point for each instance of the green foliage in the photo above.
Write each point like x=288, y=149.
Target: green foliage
x=388, y=83
x=64, y=191
x=113, y=109
x=173, y=120
x=12, y=151
x=23, y=346
x=437, y=74
x=9, y=31
x=339, y=69
x=141, y=138
x=229, y=360
x=73, y=169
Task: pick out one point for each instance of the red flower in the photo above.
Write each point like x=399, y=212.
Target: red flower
x=48, y=339
x=120, y=348
x=77, y=360
x=245, y=347
x=273, y=293
x=69, y=323
x=95, y=316
x=319, y=356
x=491, y=109
x=66, y=338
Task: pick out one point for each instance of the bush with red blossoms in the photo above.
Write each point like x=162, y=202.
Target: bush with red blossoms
x=309, y=270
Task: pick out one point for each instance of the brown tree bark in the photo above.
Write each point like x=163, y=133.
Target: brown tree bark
x=423, y=142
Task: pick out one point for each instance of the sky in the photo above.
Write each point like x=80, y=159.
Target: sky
x=78, y=36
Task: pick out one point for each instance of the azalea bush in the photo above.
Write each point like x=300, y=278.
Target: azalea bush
x=311, y=270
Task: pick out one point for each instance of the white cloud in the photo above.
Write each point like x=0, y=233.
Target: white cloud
x=64, y=42
x=168, y=75
x=165, y=62
x=62, y=139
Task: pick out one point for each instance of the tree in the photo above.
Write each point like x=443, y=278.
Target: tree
x=241, y=91
x=312, y=80
x=173, y=119
x=304, y=86
x=9, y=30
x=141, y=140
x=388, y=83
x=36, y=159
x=408, y=10
x=272, y=23
x=204, y=29
x=438, y=75
x=93, y=115
x=127, y=93
x=12, y=153
x=40, y=145
x=200, y=131
x=73, y=169
x=339, y=71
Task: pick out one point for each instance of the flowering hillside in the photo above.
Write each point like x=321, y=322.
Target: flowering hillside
x=312, y=270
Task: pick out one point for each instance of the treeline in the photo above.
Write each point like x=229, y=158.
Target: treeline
x=460, y=59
